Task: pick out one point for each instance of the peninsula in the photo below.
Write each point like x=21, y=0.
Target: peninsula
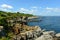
x=14, y=26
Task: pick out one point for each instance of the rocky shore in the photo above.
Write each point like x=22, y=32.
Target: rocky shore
x=35, y=33
x=21, y=31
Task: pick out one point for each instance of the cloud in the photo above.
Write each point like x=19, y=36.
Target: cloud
x=4, y=9
x=32, y=11
x=28, y=11
x=35, y=10
x=52, y=9
x=23, y=10
x=35, y=7
x=49, y=11
x=56, y=9
x=49, y=8
x=6, y=6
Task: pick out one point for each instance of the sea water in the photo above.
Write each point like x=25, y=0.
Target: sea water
x=48, y=23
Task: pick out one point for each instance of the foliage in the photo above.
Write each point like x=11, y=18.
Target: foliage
x=8, y=15
x=4, y=15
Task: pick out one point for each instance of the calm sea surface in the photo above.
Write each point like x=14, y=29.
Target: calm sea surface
x=48, y=23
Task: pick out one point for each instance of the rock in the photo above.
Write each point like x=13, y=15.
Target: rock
x=29, y=35
x=38, y=31
x=1, y=27
x=52, y=33
x=45, y=37
x=57, y=35
x=2, y=32
x=43, y=30
x=37, y=28
x=33, y=17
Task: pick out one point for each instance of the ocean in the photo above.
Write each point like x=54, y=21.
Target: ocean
x=50, y=23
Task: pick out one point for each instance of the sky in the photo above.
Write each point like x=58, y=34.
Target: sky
x=35, y=7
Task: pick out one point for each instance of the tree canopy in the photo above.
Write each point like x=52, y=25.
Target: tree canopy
x=4, y=15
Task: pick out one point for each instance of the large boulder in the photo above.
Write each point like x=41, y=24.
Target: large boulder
x=38, y=31
x=52, y=33
x=45, y=37
x=57, y=35
x=29, y=35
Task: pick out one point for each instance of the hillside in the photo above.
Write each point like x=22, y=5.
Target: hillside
x=4, y=15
